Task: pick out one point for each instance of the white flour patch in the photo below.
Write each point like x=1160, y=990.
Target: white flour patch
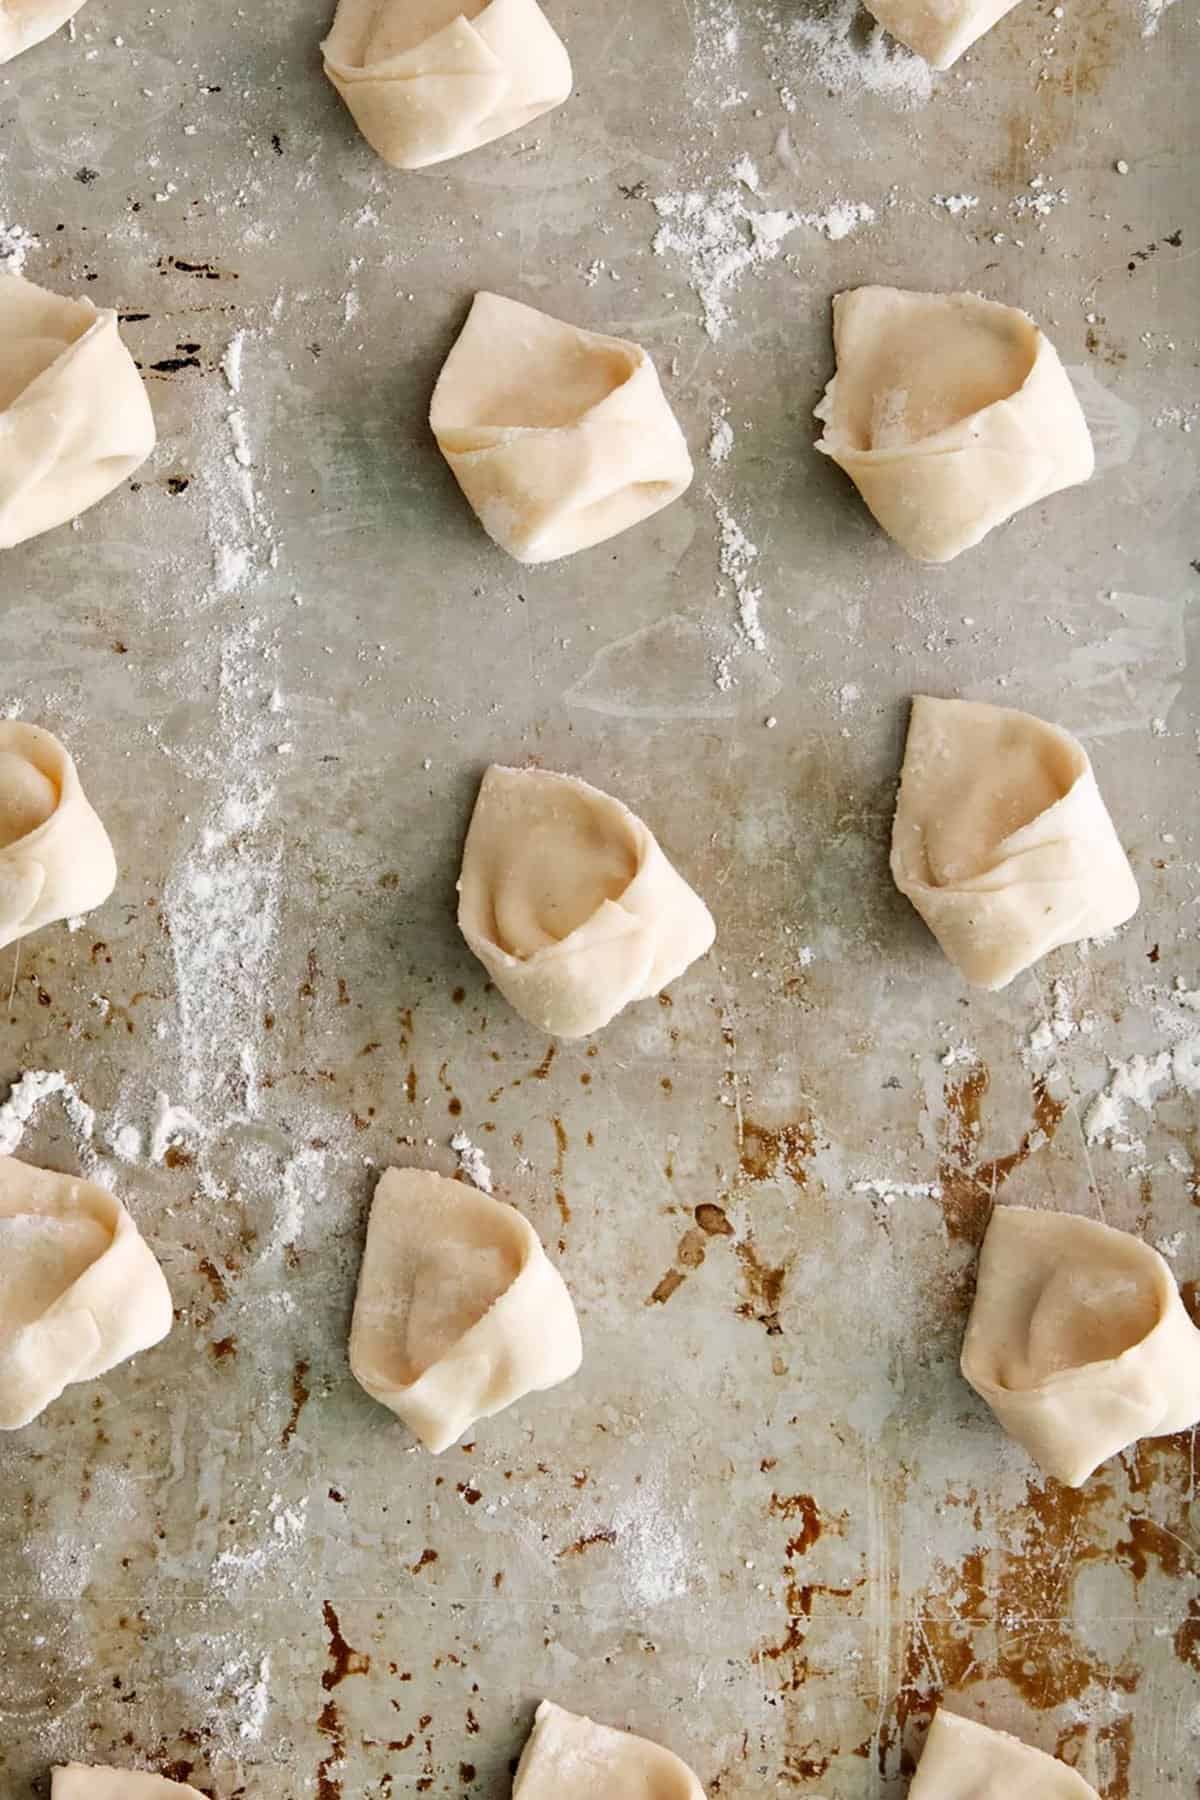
x=880, y=1188
x=737, y=558
x=172, y=1124
x=471, y=1162
x=955, y=204
x=231, y=362
x=836, y=46
x=29, y=1094
x=652, y=1548
x=15, y=246
x=1140, y=1081
x=839, y=220
x=1152, y=15
x=720, y=441
x=1041, y=199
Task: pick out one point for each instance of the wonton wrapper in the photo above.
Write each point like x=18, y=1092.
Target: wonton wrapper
x=939, y=30
x=80, y=1291
x=1078, y=1340
x=567, y=1757
x=74, y=417
x=949, y=413
x=569, y=903
x=458, y=1312
x=75, y=1781
x=965, y=1761
x=558, y=437
x=55, y=856
x=430, y=79
x=1001, y=840
x=24, y=23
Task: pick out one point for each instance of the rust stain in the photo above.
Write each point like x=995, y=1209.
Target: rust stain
x=300, y=1393
x=968, y=1186
x=670, y=1284
x=543, y=1068
x=410, y=1085
x=604, y=1536
x=329, y=1724
x=423, y=1561
x=561, y=1147
x=1187, y=1638
x=713, y=1220
x=214, y=1278
x=1148, y=1541
x=343, y=1661
x=804, y=1508
x=765, y=1150
x=222, y=1348
x=691, y=1250
x=764, y=1289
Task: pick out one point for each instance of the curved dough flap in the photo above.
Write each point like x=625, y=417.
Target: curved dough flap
x=77, y=1781
x=1078, y=1340
x=949, y=413
x=939, y=30
x=458, y=1312
x=74, y=417
x=24, y=23
x=65, y=864
x=1001, y=839
x=965, y=1761
x=567, y=1757
x=80, y=1291
x=468, y=81
x=559, y=438
x=570, y=904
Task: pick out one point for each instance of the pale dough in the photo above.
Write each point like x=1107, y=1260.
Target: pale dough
x=569, y=903
x=24, y=23
x=458, y=1311
x=80, y=1291
x=1078, y=1340
x=55, y=856
x=1001, y=839
x=558, y=437
x=965, y=1761
x=949, y=413
x=429, y=79
x=74, y=417
x=939, y=30
x=74, y=1781
x=567, y=1757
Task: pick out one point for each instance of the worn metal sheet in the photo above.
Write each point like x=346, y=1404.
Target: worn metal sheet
x=767, y=1523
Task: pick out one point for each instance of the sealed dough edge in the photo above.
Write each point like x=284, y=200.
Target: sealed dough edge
x=91, y=1781
x=64, y=864
x=424, y=1232
x=1041, y=1291
x=570, y=1757
x=117, y=1305
x=24, y=23
x=1011, y=440
x=559, y=437
x=79, y=421
x=963, y=1760
x=1060, y=876
x=466, y=84
x=634, y=925
x=939, y=32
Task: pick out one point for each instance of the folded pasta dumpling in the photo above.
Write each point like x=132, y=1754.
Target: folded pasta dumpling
x=949, y=413
x=458, y=1311
x=80, y=1291
x=939, y=30
x=1001, y=839
x=24, y=23
x=74, y=417
x=965, y=1761
x=569, y=903
x=75, y=1781
x=567, y=1757
x=1078, y=1340
x=558, y=437
x=55, y=856
x=429, y=79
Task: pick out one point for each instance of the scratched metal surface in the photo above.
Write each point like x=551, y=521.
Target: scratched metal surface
x=767, y=1523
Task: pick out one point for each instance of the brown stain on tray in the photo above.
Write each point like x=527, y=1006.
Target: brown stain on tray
x=300, y=1395
x=343, y=1661
x=969, y=1184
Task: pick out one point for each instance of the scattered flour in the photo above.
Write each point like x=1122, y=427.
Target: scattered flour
x=471, y=1162
x=171, y=1124
x=1041, y=199
x=15, y=245
x=737, y=556
x=955, y=204
x=1140, y=1081
x=29, y=1094
x=837, y=47
x=888, y=1191
x=231, y=362
x=720, y=441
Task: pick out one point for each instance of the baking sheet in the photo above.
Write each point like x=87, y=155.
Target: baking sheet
x=767, y=1523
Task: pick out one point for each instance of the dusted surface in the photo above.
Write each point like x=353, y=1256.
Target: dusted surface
x=767, y=1524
